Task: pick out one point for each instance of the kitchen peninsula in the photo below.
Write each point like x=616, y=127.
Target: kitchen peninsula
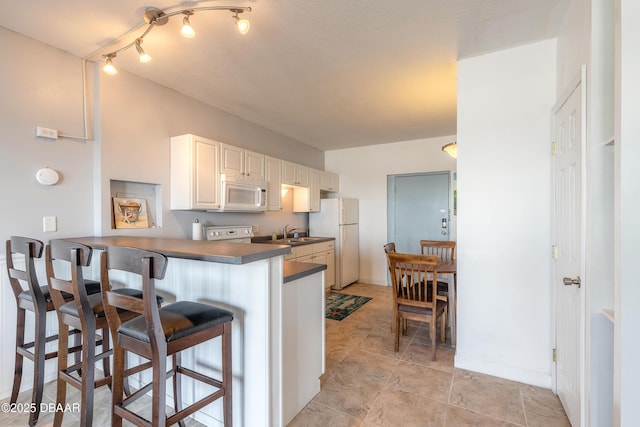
x=278, y=326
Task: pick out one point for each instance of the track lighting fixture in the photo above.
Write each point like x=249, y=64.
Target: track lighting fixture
x=242, y=24
x=154, y=17
x=187, y=30
x=144, y=56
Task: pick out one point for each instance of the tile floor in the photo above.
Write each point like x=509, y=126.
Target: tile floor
x=367, y=384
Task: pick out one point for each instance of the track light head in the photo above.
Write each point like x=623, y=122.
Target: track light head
x=109, y=68
x=187, y=30
x=242, y=24
x=144, y=56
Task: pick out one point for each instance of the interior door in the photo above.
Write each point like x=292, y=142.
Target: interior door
x=568, y=251
x=417, y=209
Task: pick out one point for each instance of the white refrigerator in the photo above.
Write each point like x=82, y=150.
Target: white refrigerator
x=339, y=218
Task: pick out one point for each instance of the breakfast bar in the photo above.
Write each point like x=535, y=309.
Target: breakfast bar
x=278, y=326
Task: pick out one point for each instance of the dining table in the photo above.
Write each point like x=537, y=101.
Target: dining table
x=450, y=266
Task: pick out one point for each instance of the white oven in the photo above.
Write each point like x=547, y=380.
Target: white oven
x=230, y=234
x=241, y=193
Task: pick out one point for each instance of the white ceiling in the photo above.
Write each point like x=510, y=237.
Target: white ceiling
x=331, y=73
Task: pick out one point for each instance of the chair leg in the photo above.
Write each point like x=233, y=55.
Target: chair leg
x=17, y=372
x=38, y=365
x=61, y=386
x=443, y=326
x=432, y=332
x=117, y=379
x=177, y=387
x=105, y=347
x=396, y=346
x=88, y=377
x=159, y=393
x=227, y=375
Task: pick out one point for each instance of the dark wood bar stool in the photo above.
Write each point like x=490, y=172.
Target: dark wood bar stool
x=157, y=334
x=36, y=299
x=85, y=314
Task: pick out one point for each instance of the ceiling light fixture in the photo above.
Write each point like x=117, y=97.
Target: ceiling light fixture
x=451, y=149
x=187, y=30
x=109, y=68
x=154, y=17
x=242, y=24
x=144, y=56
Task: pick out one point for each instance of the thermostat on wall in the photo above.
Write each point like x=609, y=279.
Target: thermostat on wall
x=46, y=176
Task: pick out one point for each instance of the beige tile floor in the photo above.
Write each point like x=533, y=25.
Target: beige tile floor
x=367, y=384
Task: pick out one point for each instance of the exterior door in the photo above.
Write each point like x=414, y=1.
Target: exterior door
x=417, y=209
x=568, y=251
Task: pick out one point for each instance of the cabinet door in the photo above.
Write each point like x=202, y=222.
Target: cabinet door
x=207, y=181
x=231, y=160
x=288, y=173
x=274, y=181
x=254, y=165
x=329, y=181
x=302, y=176
x=195, y=178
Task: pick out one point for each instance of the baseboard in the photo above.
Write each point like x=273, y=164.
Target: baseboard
x=540, y=379
x=372, y=281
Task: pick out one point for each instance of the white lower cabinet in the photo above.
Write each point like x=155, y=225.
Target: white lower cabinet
x=302, y=343
x=317, y=253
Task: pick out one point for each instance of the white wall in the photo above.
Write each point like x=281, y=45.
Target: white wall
x=363, y=174
x=627, y=206
x=504, y=290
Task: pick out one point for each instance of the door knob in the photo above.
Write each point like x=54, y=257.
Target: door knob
x=569, y=281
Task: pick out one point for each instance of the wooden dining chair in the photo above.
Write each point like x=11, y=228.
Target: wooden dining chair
x=412, y=298
x=445, y=250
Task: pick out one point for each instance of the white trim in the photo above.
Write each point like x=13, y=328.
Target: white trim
x=501, y=370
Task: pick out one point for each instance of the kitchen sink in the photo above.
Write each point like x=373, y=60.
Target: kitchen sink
x=292, y=240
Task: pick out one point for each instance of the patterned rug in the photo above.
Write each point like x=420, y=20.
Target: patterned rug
x=338, y=305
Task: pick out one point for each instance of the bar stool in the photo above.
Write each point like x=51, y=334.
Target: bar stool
x=86, y=314
x=157, y=334
x=36, y=299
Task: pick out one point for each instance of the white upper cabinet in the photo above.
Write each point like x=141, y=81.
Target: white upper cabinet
x=329, y=181
x=195, y=178
x=240, y=162
x=254, y=165
x=294, y=174
x=274, y=182
x=308, y=199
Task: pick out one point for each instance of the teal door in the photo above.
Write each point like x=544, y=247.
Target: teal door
x=417, y=209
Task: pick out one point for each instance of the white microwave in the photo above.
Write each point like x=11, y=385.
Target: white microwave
x=241, y=193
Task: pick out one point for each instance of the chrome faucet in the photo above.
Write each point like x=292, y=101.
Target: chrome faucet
x=287, y=232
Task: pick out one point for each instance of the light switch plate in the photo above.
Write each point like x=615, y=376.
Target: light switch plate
x=49, y=224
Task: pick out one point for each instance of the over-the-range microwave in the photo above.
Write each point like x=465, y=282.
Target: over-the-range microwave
x=241, y=193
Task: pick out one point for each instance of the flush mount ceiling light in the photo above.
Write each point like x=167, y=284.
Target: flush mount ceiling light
x=451, y=149
x=155, y=17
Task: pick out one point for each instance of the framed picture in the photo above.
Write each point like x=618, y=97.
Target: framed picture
x=130, y=212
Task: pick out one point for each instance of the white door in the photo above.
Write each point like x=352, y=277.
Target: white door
x=569, y=293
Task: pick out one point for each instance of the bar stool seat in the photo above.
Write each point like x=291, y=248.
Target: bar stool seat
x=93, y=288
x=95, y=302
x=158, y=334
x=179, y=320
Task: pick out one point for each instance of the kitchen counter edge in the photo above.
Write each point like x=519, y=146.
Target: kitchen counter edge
x=201, y=250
